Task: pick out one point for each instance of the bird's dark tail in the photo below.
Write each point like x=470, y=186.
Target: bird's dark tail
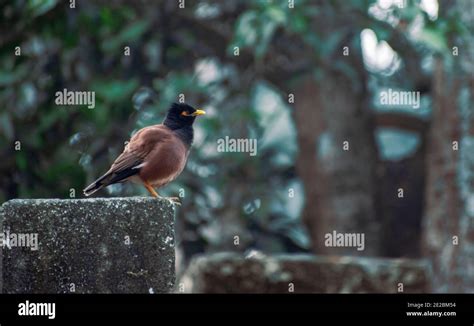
x=108, y=179
x=97, y=184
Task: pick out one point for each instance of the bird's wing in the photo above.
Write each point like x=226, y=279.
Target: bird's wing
x=139, y=146
x=132, y=158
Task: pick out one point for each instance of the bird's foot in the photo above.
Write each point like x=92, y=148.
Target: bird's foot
x=173, y=200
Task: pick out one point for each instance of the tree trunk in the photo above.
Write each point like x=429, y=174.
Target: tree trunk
x=448, y=239
x=340, y=185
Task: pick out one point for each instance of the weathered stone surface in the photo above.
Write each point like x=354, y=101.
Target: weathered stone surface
x=232, y=273
x=82, y=246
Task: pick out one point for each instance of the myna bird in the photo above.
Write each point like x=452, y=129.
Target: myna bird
x=155, y=155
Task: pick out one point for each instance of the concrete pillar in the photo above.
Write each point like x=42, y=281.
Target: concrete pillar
x=99, y=245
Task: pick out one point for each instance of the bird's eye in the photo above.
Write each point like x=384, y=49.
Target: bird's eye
x=185, y=113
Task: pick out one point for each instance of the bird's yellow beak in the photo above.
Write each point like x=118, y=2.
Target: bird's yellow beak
x=198, y=112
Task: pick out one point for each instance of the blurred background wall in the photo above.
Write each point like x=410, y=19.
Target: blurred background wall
x=304, y=78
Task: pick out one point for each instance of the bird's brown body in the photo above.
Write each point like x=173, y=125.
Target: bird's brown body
x=150, y=143
x=155, y=155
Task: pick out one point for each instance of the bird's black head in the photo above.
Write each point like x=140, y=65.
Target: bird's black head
x=181, y=115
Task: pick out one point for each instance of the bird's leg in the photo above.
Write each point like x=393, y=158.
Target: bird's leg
x=152, y=191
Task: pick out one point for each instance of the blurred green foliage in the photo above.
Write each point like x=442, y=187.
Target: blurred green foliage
x=63, y=148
